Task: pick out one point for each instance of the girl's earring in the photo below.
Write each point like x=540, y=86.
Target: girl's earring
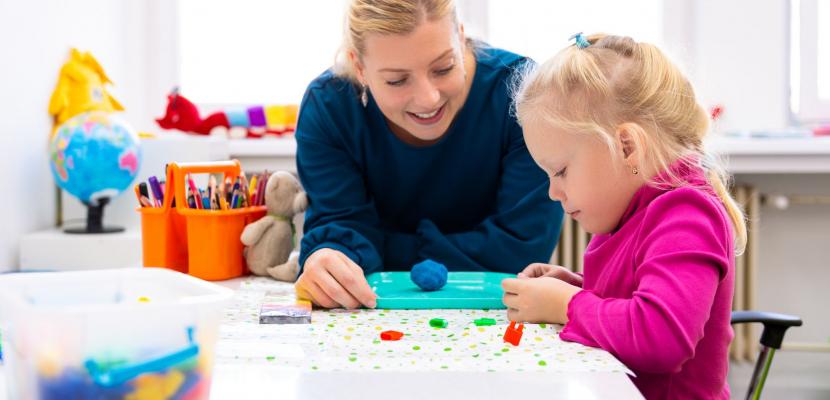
x=635, y=171
x=364, y=97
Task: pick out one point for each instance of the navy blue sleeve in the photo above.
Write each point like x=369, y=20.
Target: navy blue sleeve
x=523, y=229
x=340, y=215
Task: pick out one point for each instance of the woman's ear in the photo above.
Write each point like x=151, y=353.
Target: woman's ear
x=357, y=67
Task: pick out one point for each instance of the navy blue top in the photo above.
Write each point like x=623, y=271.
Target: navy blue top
x=474, y=200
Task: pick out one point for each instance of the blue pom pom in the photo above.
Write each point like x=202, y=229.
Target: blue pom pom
x=429, y=275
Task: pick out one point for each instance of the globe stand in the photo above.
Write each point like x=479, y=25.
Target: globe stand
x=94, y=217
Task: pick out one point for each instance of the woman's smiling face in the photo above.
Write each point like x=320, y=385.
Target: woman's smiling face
x=419, y=80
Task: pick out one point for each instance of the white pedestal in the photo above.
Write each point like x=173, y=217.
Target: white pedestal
x=54, y=250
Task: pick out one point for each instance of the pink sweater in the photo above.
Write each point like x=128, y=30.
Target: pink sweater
x=658, y=292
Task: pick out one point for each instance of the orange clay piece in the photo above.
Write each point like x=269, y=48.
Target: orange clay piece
x=513, y=334
x=391, y=335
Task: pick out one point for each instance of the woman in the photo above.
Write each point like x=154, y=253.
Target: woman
x=408, y=150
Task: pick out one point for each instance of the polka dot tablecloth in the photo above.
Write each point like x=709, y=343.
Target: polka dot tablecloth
x=349, y=340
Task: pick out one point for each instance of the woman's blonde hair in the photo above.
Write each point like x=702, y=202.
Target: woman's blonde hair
x=615, y=82
x=397, y=17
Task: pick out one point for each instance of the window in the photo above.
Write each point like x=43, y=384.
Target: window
x=810, y=60
x=255, y=51
x=540, y=28
x=266, y=51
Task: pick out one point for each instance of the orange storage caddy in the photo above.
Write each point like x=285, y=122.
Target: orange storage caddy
x=202, y=243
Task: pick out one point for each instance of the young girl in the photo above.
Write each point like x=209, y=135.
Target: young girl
x=618, y=130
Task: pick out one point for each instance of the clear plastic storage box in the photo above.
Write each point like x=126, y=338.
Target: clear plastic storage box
x=111, y=334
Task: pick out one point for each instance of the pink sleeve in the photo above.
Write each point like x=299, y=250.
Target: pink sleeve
x=684, y=252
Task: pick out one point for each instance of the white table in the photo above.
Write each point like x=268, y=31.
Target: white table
x=252, y=377
x=314, y=361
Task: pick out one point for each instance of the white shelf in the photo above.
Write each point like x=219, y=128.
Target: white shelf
x=742, y=155
x=773, y=156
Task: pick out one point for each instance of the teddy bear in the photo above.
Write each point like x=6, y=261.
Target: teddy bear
x=270, y=240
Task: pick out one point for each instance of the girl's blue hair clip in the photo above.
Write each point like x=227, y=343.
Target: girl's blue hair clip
x=580, y=40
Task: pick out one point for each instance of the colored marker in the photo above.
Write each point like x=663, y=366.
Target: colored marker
x=252, y=189
x=142, y=188
x=228, y=189
x=157, y=192
x=145, y=201
x=195, y=191
x=138, y=196
x=214, y=204
x=235, y=197
x=263, y=181
x=243, y=190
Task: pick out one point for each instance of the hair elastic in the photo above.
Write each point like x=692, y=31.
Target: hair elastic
x=579, y=40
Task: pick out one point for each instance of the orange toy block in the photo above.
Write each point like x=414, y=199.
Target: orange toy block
x=513, y=334
x=391, y=335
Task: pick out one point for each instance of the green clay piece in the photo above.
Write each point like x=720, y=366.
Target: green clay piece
x=438, y=323
x=485, y=322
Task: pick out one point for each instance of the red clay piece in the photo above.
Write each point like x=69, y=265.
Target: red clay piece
x=391, y=335
x=513, y=334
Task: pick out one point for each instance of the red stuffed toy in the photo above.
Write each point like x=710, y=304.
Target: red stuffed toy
x=255, y=121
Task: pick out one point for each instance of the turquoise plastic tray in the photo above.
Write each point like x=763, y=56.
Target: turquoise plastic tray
x=470, y=290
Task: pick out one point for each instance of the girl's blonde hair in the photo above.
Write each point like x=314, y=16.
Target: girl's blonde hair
x=616, y=82
x=397, y=17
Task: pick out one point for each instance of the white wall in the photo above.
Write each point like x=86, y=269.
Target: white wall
x=35, y=38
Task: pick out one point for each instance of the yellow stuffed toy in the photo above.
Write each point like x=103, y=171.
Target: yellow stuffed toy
x=80, y=89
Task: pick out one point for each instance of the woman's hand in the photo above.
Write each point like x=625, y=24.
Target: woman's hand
x=330, y=279
x=537, y=270
x=544, y=299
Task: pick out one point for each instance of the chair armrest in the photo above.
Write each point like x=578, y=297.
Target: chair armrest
x=775, y=325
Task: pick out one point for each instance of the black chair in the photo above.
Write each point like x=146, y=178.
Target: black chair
x=775, y=326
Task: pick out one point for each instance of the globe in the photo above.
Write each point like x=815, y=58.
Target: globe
x=94, y=156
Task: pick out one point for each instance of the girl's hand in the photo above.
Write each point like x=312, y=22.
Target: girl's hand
x=537, y=270
x=330, y=279
x=538, y=300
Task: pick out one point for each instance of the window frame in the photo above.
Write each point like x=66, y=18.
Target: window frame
x=805, y=104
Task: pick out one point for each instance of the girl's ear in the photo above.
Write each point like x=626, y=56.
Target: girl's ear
x=357, y=67
x=630, y=139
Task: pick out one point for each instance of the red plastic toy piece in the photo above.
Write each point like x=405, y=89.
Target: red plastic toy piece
x=513, y=334
x=391, y=335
